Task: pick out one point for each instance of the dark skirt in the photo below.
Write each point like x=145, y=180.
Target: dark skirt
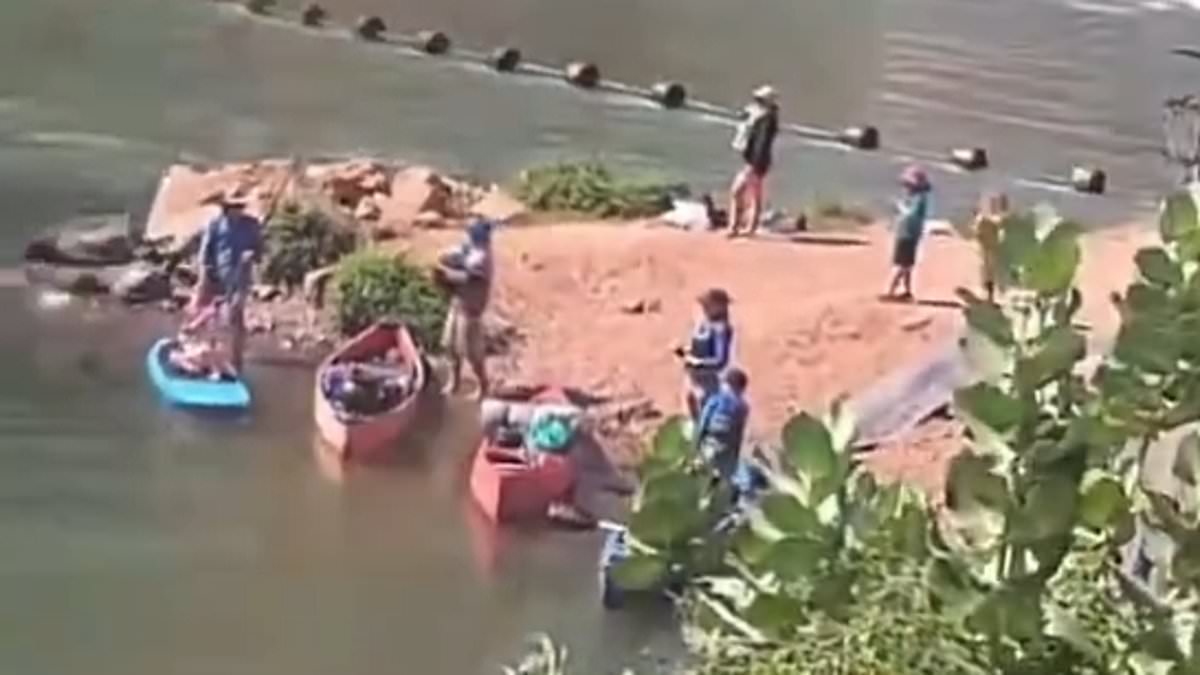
x=904, y=253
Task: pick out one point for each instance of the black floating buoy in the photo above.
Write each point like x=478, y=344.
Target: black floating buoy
x=433, y=42
x=669, y=94
x=971, y=159
x=314, y=16
x=259, y=6
x=582, y=74
x=1089, y=180
x=861, y=138
x=505, y=59
x=370, y=28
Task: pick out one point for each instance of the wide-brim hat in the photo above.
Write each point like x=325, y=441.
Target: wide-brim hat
x=236, y=197
x=715, y=296
x=765, y=93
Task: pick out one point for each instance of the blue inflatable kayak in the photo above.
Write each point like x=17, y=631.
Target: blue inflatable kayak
x=193, y=392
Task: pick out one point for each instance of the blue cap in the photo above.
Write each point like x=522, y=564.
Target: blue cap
x=479, y=232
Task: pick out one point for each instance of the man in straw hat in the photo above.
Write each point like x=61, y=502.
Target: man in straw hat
x=231, y=244
x=708, y=351
x=912, y=212
x=754, y=140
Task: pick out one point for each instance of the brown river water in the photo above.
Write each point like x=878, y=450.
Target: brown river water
x=140, y=540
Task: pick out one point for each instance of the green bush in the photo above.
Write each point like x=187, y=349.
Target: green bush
x=591, y=188
x=371, y=286
x=299, y=240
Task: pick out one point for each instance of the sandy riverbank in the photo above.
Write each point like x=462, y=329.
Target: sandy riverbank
x=598, y=306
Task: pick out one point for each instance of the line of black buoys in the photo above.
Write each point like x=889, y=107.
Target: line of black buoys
x=582, y=74
x=860, y=138
x=505, y=59
x=433, y=42
x=259, y=6
x=971, y=159
x=669, y=94
x=314, y=15
x=370, y=28
x=1089, y=180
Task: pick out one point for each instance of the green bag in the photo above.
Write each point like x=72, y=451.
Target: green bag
x=551, y=432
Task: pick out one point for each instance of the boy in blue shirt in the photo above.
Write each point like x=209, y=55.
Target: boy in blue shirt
x=722, y=424
x=910, y=228
x=709, y=349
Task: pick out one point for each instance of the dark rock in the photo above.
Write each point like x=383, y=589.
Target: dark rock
x=89, y=240
x=77, y=280
x=141, y=282
x=642, y=306
x=637, y=411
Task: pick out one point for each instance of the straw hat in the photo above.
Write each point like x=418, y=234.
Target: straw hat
x=715, y=296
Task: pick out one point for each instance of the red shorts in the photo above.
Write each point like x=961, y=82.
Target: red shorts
x=752, y=181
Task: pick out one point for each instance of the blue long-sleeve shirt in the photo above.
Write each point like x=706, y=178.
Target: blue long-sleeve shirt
x=711, y=344
x=723, y=418
x=227, y=241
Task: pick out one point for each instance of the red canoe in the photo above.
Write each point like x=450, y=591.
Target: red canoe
x=369, y=437
x=508, y=487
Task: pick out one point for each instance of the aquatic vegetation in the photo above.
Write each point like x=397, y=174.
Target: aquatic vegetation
x=373, y=285
x=592, y=188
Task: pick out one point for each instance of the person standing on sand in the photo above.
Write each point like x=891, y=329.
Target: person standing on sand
x=468, y=273
x=993, y=209
x=913, y=210
x=754, y=140
x=708, y=352
x=722, y=424
x=230, y=246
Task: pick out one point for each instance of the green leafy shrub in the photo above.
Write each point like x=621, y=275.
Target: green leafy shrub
x=371, y=286
x=591, y=188
x=299, y=240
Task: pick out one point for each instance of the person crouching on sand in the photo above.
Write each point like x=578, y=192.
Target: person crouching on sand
x=722, y=424
x=913, y=210
x=708, y=352
x=754, y=140
x=993, y=209
x=467, y=272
